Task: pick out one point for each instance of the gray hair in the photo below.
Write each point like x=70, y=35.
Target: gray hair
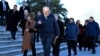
x=46, y=7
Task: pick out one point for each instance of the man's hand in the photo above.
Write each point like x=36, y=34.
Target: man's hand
x=39, y=22
x=55, y=39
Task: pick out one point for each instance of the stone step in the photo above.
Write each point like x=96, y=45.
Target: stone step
x=10, y=42
x=7, y=35
x=10, y=47
x=18, y=51
x=7, y=32
x=10, y=53
x=5, y=38
x=4, y=29
x=17, y=46
x=15, y=49
x=40, y=52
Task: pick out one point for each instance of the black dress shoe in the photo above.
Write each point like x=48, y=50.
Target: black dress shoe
x=69, y=55
x=93, y=52
x=84, y=49
x=88, y=49
x=80, y=49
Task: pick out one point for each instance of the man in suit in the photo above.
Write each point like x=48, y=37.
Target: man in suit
x=12, y=21
x=23, y=20
x=48, y=29
x=37, y=32
x=4, y=8
x=56, y=46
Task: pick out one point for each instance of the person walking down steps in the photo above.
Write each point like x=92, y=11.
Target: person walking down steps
x=28, y=38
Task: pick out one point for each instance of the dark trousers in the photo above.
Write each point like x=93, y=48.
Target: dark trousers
x=72, y=45
x=23, y=29
x=3, y=18
x=33, y=51
x=80, y=40
x=56, y=47
x=37, y=36
x=92, y=42
x=13, y=33
x=47, y=43
x=85, y=43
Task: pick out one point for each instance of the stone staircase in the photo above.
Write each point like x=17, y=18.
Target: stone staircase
x=9, y=47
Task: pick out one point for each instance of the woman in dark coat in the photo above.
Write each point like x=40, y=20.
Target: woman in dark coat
x=12, y=21
x=85, y=39
x=72, y=31
x=80, y=36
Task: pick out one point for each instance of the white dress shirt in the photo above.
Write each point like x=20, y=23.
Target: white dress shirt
x=4, y=5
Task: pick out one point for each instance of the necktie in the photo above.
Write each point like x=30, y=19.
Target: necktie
x=23, y=7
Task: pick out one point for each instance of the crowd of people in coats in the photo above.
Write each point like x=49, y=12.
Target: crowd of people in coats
x=49, y=28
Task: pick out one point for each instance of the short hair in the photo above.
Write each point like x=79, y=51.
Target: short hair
x=46, y=7
x=91, y=17
x=71, y=19
x=15, y=5
x=77, y=21
x=86, y=20
x=24, y=1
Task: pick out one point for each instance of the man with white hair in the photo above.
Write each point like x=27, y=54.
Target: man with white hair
x=48, y=29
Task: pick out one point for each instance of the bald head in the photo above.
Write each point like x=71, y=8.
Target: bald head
x=46, y=10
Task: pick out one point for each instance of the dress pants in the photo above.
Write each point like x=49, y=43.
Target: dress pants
x=3, y=18
x=56, y=47
x=13, y=33
x=92, y=42
x=72, y=45
x=47, y=39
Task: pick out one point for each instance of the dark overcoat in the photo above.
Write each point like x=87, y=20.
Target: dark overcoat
x=12, y=20
x=23, y=20
x=1, y=7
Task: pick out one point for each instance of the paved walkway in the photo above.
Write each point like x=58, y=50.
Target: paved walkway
x=83, y=53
